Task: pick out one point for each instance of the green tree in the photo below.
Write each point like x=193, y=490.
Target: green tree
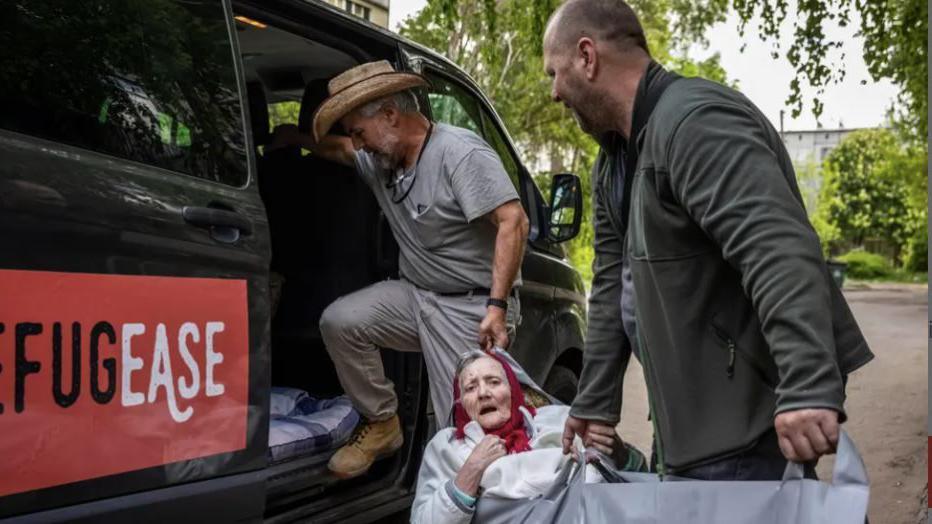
x=284, y=113
x=499, y=45
x=914, y=163
x=809, y=179
x=870, y=192
x=895, y=37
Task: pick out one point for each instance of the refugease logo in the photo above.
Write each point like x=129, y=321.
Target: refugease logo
x=105, y=374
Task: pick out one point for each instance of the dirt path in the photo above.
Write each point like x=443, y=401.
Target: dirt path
x=887, y=401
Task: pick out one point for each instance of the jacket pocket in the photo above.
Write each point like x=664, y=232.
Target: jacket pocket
x=738, y=351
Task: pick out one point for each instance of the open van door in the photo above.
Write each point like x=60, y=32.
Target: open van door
x=133, y=273
x=550, y=335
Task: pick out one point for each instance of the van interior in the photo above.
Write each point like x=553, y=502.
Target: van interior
x=328, y=239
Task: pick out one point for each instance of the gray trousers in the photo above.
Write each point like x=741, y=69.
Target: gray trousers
x=395, y=314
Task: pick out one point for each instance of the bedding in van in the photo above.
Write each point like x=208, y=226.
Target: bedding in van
x=301, y=424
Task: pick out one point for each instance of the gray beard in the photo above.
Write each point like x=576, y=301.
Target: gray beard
x=388, y=143
x=383, y=161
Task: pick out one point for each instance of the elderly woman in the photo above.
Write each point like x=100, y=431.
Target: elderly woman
x=499, y=446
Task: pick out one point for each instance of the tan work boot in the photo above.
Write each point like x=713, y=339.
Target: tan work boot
x=372, y=441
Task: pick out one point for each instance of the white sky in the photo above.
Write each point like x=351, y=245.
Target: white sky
x=766, y=81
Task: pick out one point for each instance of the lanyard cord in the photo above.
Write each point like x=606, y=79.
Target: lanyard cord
x=392, y=185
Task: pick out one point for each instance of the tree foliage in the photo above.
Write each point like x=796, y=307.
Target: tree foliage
x=895, y=44
x=874, y=189
x=809, y=178
x=894, y=31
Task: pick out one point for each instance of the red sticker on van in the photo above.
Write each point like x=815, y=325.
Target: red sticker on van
x=105, y=374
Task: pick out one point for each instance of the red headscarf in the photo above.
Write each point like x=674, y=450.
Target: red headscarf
x=512, y=432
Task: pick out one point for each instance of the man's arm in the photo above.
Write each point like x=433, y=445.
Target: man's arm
x=512, y=224
x=725, y=173
x=608, y=350
x=336, y=149
x=484, y=192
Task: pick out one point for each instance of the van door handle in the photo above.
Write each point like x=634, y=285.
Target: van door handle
x=225, y=226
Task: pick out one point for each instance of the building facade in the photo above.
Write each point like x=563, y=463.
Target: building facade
x=813, y=145
x=808, y=149
x=375, y=11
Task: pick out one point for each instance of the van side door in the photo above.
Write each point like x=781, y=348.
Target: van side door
x=133, y=272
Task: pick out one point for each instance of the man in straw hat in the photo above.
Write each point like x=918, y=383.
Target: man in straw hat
x=461, y=230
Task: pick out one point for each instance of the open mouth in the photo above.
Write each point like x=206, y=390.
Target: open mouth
x=486, y=410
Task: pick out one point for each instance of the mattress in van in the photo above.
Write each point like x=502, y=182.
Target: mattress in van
x=301, y=424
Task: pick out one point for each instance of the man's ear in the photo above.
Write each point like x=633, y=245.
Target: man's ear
x=586, y=51
x=391, y=114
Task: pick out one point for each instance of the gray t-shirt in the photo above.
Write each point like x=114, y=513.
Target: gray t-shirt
x=445, y=246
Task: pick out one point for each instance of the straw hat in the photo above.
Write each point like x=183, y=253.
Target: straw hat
x=357, y=86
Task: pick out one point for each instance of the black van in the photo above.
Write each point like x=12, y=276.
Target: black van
x=140, y=220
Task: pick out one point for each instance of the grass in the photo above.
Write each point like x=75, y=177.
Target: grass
x=867, y=267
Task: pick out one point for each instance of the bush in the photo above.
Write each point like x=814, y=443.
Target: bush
x=874, y=187
x=916, y=254
x=864, y=265
x=829, y=234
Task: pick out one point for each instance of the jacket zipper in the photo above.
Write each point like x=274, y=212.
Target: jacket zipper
x=730, y=344
x=730, y=370
x=645, y=361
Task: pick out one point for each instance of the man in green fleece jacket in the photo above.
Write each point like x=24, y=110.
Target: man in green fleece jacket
x=706, y=265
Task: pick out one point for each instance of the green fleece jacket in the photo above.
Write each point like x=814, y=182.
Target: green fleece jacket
x=738, y=318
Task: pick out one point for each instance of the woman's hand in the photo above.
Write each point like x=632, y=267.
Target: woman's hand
x=487, y=451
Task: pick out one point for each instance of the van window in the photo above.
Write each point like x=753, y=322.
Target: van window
x=453, y=105
x=495, y=139
x=147, y=81
x=284, y=113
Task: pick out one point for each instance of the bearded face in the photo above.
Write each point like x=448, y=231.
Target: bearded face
x=587, y=105
x=384, y=149
x=568, y=88
x=375, y=135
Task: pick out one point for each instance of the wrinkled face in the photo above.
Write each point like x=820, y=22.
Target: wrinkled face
x=570, y=86
x=485, y=393
x=375, y=135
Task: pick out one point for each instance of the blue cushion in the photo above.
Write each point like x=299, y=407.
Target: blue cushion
x=301, y=424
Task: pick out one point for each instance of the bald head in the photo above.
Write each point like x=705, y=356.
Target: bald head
x=612, y=22
x=595, y=54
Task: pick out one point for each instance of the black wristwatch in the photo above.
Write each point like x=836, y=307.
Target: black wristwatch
x=497, y=302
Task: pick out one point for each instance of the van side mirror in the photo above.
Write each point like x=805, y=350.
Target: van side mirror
x=565, y=208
